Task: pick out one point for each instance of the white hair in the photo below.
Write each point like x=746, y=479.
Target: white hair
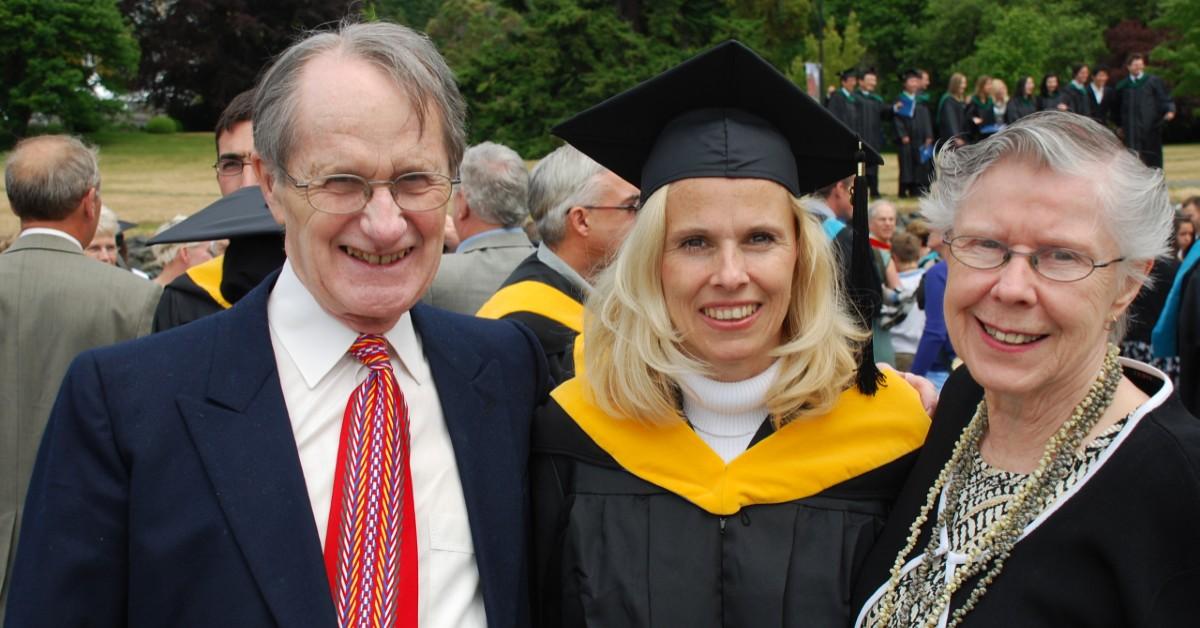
x=1135, y=207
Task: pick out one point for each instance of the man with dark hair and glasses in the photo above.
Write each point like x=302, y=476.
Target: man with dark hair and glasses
x=217, y=284
x=583, y=212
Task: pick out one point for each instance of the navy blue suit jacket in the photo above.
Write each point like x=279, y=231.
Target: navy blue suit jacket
x=168, y=489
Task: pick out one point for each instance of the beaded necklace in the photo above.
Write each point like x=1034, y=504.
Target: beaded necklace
x=995, y=544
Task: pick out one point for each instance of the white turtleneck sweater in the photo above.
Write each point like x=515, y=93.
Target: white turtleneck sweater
x=726, y=415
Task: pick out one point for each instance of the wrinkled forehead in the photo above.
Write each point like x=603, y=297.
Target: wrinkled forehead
x=352, y=103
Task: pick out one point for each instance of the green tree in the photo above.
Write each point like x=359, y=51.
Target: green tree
x=54, y=55
x=843, y=50
x=946, y=32
x=194, y=72
x=523, y=73
x=414, y=13
x=1032, y=40
x=885, y=33
x=1180, y=53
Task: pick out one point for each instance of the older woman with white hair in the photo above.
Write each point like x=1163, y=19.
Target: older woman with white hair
x=103, y=247
x=1060, y=484
x=719, y=458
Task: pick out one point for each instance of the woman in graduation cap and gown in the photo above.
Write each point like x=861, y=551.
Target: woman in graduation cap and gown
x=726, y=453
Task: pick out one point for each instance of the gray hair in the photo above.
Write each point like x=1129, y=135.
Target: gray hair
x=47, y=176
x=563, y=179
x=408, y=57
x=165, y=253
x=495, y=183
x=108, y=223
x=1133, y=199
x=874, y=208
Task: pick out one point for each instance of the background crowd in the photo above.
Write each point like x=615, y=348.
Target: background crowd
x=313, y=254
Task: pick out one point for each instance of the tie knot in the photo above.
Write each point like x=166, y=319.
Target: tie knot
x=371, y=350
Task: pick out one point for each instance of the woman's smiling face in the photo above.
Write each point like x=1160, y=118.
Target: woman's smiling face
x=728, y=263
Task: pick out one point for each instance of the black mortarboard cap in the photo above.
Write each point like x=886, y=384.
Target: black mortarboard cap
x=848, y=73
x=729, y=113
x=724, y=113
x=125, y=225
x=242, y=213
x=910, y=73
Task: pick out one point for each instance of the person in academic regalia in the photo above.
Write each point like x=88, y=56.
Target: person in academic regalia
x=980, y=110
x=843, y=104
x=872, y=113
x=952, y=115
x=914, y=135
x=1051, y=97
x=1059, y=485
x=1023, y=102
x=1077, y=90
x=1142, y=106
x=725, y=453
x=1100, y=96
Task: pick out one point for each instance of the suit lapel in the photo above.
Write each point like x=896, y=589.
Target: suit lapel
x=244, y=437
x=471, y=392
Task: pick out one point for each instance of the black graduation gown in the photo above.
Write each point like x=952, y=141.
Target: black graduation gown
x=1052, y=101
x=625, y=533
x=1139, y=108
x=844, y=107
x=872, y=112
x=205, y=289
x=1019, y=108
x=546, y=302
x=1078, y=99
x=1120, y=552
x=919, y=130
x=1148, y=305
x=1100, y=112
x=1188, y=342
x=984, y=111
x=183, y=300
x=951, y=119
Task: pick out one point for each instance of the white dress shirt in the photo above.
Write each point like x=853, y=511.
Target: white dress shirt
x=54, y=232
x=317, y=376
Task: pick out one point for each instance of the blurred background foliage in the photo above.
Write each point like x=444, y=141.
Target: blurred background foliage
x=524, y=65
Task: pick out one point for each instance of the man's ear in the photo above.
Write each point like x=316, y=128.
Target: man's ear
x=462, y=210
x=577, y=220
x=90, y=204
x=267, y=181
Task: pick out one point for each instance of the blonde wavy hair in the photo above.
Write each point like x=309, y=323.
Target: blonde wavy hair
x=633, y=352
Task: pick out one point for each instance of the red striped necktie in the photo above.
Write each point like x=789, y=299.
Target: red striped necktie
x=371, y=539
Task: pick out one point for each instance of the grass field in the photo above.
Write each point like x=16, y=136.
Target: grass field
x=147, y=179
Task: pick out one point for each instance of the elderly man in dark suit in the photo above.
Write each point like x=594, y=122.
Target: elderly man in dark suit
x=328, y=451
x=54, y=303
x=489, y=207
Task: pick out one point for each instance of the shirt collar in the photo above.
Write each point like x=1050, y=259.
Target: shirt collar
x=483, y=234
x=316, y=341
x=549, y=258
x=52, y=232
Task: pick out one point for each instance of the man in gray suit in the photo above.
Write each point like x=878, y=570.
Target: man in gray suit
x=54, y=303
x=488, y=209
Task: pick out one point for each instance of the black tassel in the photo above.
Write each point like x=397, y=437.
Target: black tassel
x=865, y=284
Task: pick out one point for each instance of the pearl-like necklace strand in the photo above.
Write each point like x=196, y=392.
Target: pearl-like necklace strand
x=995, y=544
